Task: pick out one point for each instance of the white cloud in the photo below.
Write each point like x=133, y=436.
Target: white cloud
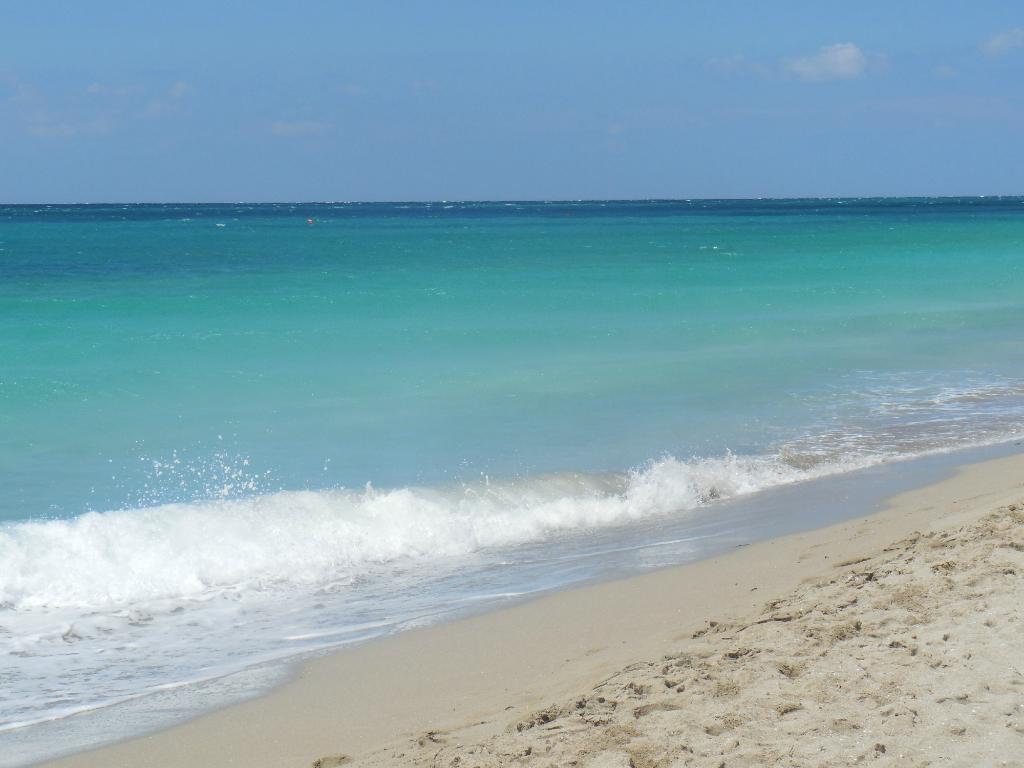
x=19, y=92
x=297, y=128
x=171, y=103
x=38, y=117
x=842, y=61
x=92, y=109
x=1004, y=42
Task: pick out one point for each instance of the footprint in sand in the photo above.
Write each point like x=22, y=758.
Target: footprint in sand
x=330, y=761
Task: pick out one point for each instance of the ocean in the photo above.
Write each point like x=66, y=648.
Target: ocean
x=234, y=434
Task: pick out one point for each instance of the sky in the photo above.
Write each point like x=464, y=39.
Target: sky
x=271, y=101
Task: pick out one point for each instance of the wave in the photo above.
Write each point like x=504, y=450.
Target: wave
x=272, y=541
x=125, y=604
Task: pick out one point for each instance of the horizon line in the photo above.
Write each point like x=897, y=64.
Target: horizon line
x=428, y=201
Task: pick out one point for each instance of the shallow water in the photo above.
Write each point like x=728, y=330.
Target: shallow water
x=194, y=399
x=404, y=599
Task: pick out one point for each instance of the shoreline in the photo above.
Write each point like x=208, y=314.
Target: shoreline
x=476, y=675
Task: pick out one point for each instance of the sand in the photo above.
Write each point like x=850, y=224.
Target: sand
x=895, y=639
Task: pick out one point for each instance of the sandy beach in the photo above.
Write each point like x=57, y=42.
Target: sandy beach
x=465, y=385
x=894, y=639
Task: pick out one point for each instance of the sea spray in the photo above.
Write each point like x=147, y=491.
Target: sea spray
x=188, y=413
x=316, y=538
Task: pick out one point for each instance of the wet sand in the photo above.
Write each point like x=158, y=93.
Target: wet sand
x=894, y=638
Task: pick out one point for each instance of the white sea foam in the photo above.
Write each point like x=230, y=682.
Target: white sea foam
x=196, y=550
x=123, y=605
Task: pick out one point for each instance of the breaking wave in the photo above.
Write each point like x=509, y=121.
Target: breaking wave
x=265, y=542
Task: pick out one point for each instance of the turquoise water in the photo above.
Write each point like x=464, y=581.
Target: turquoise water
x=193, y=399
x=422, y=344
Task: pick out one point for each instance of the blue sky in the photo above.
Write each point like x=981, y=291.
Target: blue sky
x=203, y=101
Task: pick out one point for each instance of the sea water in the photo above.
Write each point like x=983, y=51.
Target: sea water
x=231, y=434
